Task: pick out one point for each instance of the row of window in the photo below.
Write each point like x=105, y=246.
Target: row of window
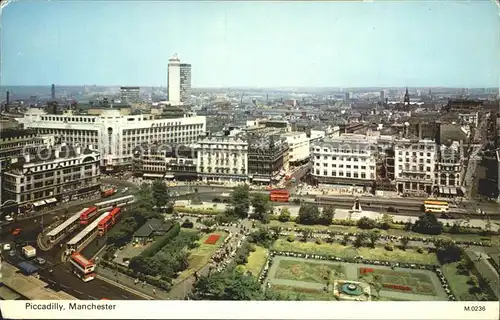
x=354, y=159
x=347, y=174
x=348, y=166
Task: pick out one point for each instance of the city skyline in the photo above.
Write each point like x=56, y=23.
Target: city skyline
x=411, y=44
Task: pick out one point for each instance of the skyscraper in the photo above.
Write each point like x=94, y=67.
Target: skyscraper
x=53, y=92
x=179, y=80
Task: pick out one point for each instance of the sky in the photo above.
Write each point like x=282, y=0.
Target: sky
x=252, y=44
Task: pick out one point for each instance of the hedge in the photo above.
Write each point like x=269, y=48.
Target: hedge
x=161, y=242
x=208, y=211
x=149, y=279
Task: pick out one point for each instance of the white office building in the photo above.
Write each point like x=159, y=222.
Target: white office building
x=414, y=166
x=116, y=135
x=222, y=159
x=298, y=144
x=179, y=80
x=349, y=159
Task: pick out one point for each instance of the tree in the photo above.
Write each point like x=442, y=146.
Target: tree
x=240, y=201
x=373, y=236
x=360, y=239
x=386, y=221
x=262, y=236
x=228, y=285
x=159, y=191
x=366, y=223
x=447, y=250
x=345, y=239
x=306, y=234
x=308, y=214
x=326, y=216
x=284, y=215
x=404, y=242
x=428, y=224
x=260, y=203
x=276, y=230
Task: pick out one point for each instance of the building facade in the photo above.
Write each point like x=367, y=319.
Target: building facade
x=175, y=162
x=116, y=135
x=415, y=163
x=299, y=147
x=130, y=94
x=267, y=159
x=347, y=160
x=222, y=158
x=52, y=176
x=185, y=81
x=449, y=169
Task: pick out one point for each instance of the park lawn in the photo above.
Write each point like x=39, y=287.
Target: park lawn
x=257, y=260
x=308, y=271
x=336, y=249
x=458, y=282
x=304, y=293
x=495, y=240
x=199, y=256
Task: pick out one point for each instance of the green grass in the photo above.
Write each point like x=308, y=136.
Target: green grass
x=336, y=249
x=257, y=260
x=303, y=293
x=200, y=255
x=420, y=283
x=495, y=240
x=458, y=282
x=308, y=271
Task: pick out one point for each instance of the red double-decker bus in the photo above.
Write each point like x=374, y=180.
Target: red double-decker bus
x=106, y=223
x=82, y=267
x=279, y=195
x=88, y=215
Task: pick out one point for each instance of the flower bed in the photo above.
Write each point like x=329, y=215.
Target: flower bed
x=212, y=239
x=365, y=270
x=396, y=287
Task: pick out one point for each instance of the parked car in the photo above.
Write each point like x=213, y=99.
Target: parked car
x=16, y=231
x=7, y=247
x=12, y=253
x=9, y=219
x=40, y=261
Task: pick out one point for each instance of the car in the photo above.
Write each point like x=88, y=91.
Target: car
x=40, y=261
x=9, y=219
x=125, y=190
x=12, y=253
x=7, y=247
x=16, y=231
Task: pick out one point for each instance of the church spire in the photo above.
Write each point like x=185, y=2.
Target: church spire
x=407, y=97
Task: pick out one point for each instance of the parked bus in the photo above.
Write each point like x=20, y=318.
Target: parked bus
x=108, y=221
x=82, y=267
x=65, y=228
x=85, y=236
x=435, y=206
x=117, y=202
x=88, y=215
x=279, y=195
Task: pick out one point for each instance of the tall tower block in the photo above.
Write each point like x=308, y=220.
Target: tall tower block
x=174, y=80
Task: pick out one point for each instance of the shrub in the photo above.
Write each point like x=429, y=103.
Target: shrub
x=291, y=237
x=318, y=241
x=389, y=247
x=420, y=250
x=161, y=242
x=296, y=201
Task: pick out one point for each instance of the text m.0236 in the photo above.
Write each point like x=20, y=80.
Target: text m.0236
x=474, y=308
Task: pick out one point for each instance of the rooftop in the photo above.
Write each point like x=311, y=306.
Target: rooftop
x=51, y=154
